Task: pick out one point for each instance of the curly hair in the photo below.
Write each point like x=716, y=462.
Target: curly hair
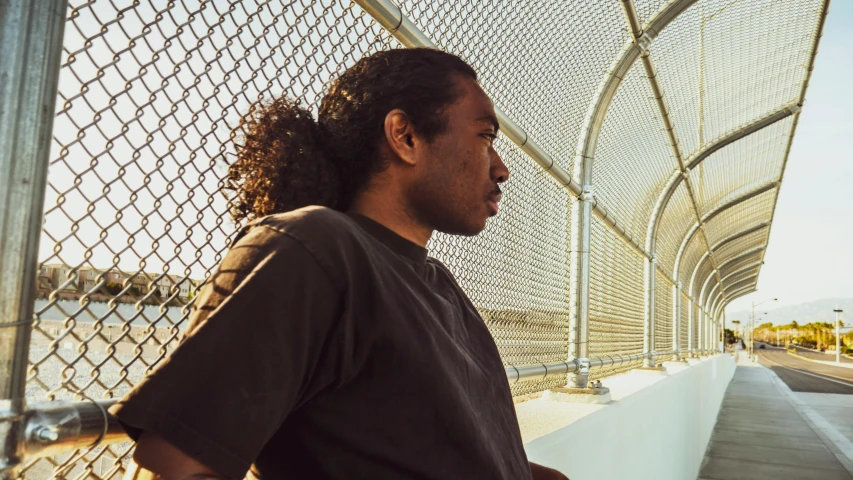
x=286, y=160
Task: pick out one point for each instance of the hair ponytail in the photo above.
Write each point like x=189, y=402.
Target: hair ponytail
x=281, y=162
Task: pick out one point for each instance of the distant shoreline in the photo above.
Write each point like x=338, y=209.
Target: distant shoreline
x=118, y=314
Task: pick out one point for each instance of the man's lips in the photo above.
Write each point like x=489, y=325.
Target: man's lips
x=494, y=199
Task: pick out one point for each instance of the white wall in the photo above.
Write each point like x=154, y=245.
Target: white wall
x=657, y=433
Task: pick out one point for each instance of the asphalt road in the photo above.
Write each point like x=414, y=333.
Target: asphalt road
x=805, y=376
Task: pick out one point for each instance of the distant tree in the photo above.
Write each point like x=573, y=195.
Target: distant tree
x=736, y=322
x=731, y=337
x=113, y=288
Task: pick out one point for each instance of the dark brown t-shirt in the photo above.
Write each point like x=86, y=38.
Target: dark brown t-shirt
x=327, y=346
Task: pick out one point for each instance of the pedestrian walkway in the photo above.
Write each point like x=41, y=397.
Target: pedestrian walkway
x=761, y=434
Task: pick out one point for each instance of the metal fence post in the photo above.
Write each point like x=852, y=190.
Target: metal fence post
x=649, y=320
x=715, y=346
x=31, y=35
x=708, y=334
x=579, y=333
x=691, y=329
x=715, y=334
x=676, y=321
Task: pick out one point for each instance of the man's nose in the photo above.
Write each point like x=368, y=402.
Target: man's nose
x=499, y=171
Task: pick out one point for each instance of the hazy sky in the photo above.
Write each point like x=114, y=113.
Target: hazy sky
x=810, y=255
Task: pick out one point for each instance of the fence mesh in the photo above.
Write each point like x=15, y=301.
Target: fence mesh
x=134, y=215
x=135, y=218
x=521, y=64
x=634, y=159
x=675, y=223
x=741, y=262
x=755, y=239
x=747, y=273
x=516, y=271
x=693, y=253
x=741, y=167
x=616, y=301
x=773, y=40
x=741, y=217
x=695, y=319
x=678, y=55
x=663, y=316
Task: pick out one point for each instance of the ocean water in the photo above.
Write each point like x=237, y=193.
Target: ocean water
x=124, y=311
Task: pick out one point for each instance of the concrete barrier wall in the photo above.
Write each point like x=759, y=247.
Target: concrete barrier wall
x=657, y=433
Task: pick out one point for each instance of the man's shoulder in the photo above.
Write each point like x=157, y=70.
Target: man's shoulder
x=329, y=235
x=307, y=223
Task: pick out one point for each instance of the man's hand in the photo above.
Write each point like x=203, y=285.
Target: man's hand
x=544, y=473
x=167, y=462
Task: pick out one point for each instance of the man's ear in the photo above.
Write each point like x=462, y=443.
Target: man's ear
x=400, y=135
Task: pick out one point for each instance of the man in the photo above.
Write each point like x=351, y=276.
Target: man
x=328, y=344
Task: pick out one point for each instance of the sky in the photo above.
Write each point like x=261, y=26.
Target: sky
x=810, y=254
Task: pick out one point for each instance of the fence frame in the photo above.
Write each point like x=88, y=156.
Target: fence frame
x=31, y=34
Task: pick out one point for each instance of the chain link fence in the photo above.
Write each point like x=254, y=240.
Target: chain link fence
x=616, y=302
x=663, y=317
x=136, y=219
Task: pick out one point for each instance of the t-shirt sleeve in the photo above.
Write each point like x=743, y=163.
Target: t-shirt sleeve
x=260, y=342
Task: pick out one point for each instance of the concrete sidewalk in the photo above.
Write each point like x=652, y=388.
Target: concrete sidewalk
x=762, y=433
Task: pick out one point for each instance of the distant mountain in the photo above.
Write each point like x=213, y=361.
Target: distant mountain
x=816, y=311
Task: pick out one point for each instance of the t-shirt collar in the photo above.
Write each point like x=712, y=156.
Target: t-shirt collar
x=396, y=243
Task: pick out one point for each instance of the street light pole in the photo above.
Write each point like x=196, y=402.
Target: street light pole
x=837, y=334
x=752, y=326
x=748, y=334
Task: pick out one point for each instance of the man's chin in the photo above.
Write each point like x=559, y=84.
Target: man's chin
x=478, y=228
x=469, y=229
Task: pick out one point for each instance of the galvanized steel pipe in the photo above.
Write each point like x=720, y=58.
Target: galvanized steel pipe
x=31, y=34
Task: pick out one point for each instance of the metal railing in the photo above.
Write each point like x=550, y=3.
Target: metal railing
x=647, y=155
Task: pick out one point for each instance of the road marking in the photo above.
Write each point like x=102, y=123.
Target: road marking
x=821, y=376
x=831, y=364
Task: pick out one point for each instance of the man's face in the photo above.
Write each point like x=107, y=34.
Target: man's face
x=457, y=189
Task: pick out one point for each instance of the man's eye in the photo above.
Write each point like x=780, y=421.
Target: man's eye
x=490, y=136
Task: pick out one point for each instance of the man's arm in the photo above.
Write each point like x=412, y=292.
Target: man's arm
x=256, y=348
x=167, y=462
x=544, y=473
